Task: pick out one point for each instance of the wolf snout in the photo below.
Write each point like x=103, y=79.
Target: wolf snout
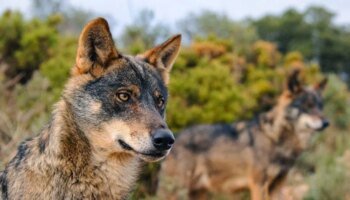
x=163, y=139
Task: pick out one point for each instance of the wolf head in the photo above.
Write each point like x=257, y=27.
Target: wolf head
x=302, y=107
x=119, y=101
x=306, y=104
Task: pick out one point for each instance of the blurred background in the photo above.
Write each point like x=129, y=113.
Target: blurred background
x=232, y=65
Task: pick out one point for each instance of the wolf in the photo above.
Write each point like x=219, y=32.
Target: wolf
x=107, y=123
x=249, y=155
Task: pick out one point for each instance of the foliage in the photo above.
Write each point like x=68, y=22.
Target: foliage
x=311, y=32
x=337, y=100
x=330, y=180
x=266, y=54
x=25, y=45
x=72, y=18
x=57, y=68
x=221, y=86
x=208, y=23
x=24, y=111
x=143, y=33
x=329, y=154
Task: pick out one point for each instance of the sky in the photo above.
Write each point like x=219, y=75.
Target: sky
x=122, y=12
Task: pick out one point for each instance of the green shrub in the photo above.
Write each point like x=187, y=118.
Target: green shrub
x=24, y=45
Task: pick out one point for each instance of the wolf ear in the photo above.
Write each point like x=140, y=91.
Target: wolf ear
x=162, y=57
x=321, y=85
x=293, y=83
x=95, y=49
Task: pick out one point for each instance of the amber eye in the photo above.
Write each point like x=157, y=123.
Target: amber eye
x=160, y=102
x=123, y=96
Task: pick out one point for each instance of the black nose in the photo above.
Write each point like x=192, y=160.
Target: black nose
x=325, y=124
x=163, y=139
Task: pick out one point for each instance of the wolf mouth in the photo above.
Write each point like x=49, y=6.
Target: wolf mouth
x=155, y=154
x=125, y=146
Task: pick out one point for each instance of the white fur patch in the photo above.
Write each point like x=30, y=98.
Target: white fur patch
x=310, y=122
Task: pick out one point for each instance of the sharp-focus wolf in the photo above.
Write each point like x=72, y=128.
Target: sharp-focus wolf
x=109, y=120
x=254, y=155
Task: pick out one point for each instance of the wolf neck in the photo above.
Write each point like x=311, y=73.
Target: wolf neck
x=63, y=139
x=280, y=131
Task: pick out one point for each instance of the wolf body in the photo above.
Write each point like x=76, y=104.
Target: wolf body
x=254, y=155
x=109, y=120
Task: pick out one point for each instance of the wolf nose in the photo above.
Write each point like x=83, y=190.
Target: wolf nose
x=325, y=124
x=163, y=139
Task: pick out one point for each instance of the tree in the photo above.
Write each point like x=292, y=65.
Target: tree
x=240, y=34
x=143, y=33
x=311, y=32
x=289, y=31
x=73, y=19
x=43, y=9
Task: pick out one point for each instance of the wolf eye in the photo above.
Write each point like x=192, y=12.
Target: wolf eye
x=160, y=102
x=123, y=96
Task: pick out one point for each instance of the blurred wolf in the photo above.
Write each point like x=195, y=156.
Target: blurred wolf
x=109, y=120
x=254, y=155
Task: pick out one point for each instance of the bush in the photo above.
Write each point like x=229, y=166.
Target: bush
x=24, y=45
x=211, y=83
x=328, y=155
